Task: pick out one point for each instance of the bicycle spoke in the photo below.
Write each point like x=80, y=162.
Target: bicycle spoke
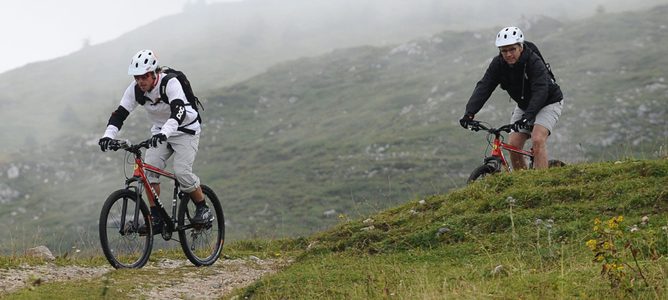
x=202, y=243
x=124, y=247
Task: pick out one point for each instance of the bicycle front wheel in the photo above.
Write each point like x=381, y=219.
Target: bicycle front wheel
x=481, y=172
x=122, y=244
x=202, y=243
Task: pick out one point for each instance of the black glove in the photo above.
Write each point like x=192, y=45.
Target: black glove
x=465, y=121
x=158, y=138
x=104, y=143
x=522, y=123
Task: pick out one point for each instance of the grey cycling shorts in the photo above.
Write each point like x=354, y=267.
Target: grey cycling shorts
x=546, y=117
x=184, y=148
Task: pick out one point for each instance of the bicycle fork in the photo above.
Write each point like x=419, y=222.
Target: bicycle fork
x=138, y=189
x=496, y=159
x=135, y=217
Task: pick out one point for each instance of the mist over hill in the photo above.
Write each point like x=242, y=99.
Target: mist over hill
x=224, y=43
x=349, y=131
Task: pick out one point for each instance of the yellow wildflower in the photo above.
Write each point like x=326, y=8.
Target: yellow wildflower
x=612, y=223
x=592, y=244
x=607, y=245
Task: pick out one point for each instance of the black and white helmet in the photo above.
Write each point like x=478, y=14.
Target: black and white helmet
x=509, y=36
x=143, y=62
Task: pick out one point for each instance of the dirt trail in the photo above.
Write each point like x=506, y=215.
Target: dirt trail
x=196, y=283
x=17, y=278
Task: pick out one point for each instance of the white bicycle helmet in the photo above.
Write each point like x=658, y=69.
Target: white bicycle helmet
x=143, y=62
x=509, y=36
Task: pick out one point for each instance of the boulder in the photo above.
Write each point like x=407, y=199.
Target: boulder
x=40, y=252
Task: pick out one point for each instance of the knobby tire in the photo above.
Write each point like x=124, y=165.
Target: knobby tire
x=126, y=249
x=481, y=172
x=202, y=245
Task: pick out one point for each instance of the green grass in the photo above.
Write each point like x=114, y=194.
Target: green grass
x=471, y=243
x=404, y=256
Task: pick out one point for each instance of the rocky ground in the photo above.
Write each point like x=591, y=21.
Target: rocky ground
x=197, y=283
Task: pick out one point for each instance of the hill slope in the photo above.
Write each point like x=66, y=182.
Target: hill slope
x=368, y=127
x=361, y=129
x=522, y=235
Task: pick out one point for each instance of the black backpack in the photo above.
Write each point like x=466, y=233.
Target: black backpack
x=534, y=48
x=185, y=84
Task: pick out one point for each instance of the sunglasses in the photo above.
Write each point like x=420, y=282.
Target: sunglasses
x=142, y=77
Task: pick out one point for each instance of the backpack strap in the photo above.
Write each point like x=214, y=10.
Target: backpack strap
x=139, y=96
x=163, y=98
x=163, y=87
x=534, y=49
x=163, y=90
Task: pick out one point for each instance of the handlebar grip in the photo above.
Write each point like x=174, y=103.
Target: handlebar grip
x=507, y=128
x=476, y=126
x=145, y=144
x=115, y=145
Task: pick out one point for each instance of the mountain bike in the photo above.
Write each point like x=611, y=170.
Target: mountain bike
x=125, y=213
x=496, y=161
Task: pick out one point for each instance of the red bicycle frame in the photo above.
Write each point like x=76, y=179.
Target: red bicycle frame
x=139, y=172
x=498, y=145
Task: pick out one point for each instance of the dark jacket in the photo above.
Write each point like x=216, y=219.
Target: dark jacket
x=527, y=82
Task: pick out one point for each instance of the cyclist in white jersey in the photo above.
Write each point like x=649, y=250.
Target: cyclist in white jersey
x=175, y=129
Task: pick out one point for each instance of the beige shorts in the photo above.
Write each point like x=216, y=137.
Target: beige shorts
x=184, y=148
x=546, y=117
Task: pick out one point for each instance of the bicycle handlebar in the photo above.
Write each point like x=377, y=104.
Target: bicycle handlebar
x=116, y=145
x=477, y=126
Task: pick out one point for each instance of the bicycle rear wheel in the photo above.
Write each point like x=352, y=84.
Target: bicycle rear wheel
x=203, y=243
x=554, y=163
x=122, y=245
x=481, y=172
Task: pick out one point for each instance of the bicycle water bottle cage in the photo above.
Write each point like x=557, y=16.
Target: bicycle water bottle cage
x=494, y=162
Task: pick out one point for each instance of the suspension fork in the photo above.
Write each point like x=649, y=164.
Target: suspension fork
x=124, y=208
x=497, y=159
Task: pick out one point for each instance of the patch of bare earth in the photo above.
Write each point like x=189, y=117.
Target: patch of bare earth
x=211, y=282
x=196, y=283
x=17, y=278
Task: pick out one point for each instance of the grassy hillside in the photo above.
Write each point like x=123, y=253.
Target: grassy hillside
x=361, y=129
x=524, y=235
x=367, y=127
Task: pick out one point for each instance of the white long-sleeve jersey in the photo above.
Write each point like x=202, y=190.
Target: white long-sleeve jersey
x=159, y=112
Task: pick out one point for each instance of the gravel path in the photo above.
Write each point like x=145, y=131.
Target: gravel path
x=212, y=282
x=197, y=283
x=14, y=279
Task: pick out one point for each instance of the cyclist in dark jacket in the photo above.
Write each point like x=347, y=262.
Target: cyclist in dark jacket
x=522, y=73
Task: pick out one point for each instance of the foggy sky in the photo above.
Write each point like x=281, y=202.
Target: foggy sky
x=34, y=30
